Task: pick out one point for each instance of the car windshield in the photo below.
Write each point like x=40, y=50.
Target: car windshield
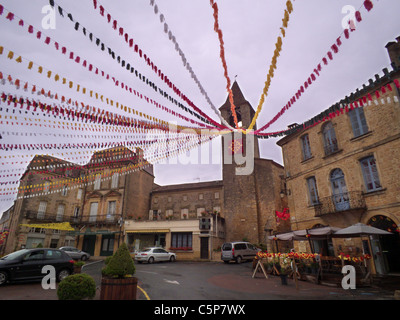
x=15, y=255
x=145, y=250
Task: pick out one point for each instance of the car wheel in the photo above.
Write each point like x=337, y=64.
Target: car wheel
x=63, y=274
x=238, y=259
x=3, y=277
x=84, y=257
x=172, y=259
x=151, y=260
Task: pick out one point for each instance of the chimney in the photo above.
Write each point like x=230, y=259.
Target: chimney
x=393, y=49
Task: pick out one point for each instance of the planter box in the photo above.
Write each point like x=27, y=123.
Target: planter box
x=118, y=289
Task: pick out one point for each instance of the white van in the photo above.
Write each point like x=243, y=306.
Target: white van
x=238, y=251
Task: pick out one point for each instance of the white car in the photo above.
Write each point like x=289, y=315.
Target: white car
x=75, y=253
x=151, y=255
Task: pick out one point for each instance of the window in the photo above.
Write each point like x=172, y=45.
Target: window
x=169, y=213
x=53, y=254
x=184, y=213
x=181, y=240
x=34, y=255
x=358, y=122
x=200, y=211
x=53, y=244
x=114, y=181
x=169, y=199
x=216, y=195
x=79, y=194
x=201, y=196
x=184, y=198
x=64, y=191
x=370, y=173
x=330, y=141
x=42, y=209
x=305, y=145
x=111, y=210
x=93, y=211
x=60, y=212
x=312, y=190
x=76, y=212
x=97, y=182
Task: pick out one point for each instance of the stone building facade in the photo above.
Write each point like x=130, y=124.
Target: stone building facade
x=345, y=170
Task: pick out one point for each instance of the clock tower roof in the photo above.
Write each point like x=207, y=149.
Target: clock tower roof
x=238, y=98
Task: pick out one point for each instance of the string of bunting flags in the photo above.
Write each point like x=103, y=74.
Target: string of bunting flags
x=317, y=71
x=222, y=56
x=340, y=109
x=129, y=67
x=92, y=68
x=122, y=32
x=185, y=62
x=271, y=72
x=70, y=84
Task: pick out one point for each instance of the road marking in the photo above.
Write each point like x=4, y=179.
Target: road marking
x=172, y=282
x=145, y=293
x=147, y=271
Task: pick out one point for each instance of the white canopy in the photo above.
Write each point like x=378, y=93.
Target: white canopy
x=358, y=230
x=317, y=233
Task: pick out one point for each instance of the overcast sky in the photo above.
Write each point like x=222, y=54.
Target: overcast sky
x=250, y=30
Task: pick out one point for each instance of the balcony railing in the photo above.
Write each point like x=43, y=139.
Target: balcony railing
x=100, y=219
x=35, y=216
x=41, y=217
x=340, y=203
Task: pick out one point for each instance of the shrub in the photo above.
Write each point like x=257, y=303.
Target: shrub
x=121, y=264
x=76, y=287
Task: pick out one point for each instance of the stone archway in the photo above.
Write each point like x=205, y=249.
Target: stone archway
x=386, y=249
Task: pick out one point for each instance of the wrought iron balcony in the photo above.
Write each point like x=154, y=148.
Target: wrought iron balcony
x=341, y=202
x=41, y=217
x=107, y=219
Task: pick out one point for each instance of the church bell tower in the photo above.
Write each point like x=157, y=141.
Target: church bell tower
x=240, y=196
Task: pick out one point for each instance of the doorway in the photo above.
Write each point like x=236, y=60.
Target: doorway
x=89, y=243
x=386, y=249
x=107, y=245
x=204, y=248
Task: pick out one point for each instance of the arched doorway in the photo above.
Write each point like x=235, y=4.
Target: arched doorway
x=385, y=249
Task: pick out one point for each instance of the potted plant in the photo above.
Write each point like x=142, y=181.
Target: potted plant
x=77, y=287
x=117, y=282
x=78, y=266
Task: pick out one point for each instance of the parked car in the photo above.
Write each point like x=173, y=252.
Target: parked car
x=27, y=264
x=151, y=255
x=75, y=253
x=238, y=251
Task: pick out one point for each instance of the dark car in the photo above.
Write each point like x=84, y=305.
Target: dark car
x=27, y=264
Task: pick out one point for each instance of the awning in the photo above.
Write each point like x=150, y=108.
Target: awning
x=148, y=231
x=63, y=226
x=314, y=234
